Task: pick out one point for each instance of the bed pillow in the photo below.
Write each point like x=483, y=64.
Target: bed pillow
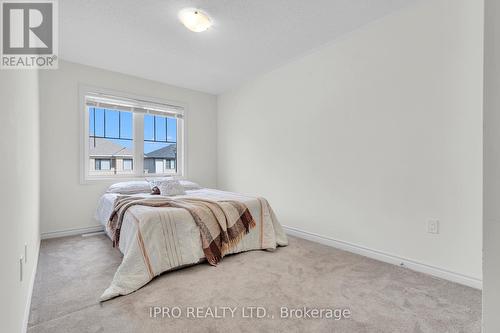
x=170, y=187
x=187, y=184
x=131, y=187
x=153, y=182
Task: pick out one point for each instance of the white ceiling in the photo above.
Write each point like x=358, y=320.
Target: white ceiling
x=145, y=38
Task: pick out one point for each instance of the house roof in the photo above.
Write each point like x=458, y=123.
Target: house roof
x=105, y=147
x=165, y=152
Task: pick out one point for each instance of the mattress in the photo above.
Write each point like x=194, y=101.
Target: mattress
x=154, y=240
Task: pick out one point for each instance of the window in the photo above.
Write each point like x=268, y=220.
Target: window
x=128, y=164
x=128, y=137
x=110, y=141
x=102, y=164
x=160, y=144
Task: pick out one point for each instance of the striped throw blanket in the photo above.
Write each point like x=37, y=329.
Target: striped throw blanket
x=222, y=224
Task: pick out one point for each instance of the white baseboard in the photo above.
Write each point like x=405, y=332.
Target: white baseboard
x=71, y=232
x=388, y=258
x=30, y=290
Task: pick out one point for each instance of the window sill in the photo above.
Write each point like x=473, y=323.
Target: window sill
x=124, y=178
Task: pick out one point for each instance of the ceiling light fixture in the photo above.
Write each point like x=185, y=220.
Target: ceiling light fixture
x=194, y=19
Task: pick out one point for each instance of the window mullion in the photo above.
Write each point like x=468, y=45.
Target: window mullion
x=179, y=148
x=94, y=128
x=138, y=125
x=104, y=115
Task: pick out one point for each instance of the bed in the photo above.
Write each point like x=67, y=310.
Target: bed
x=154, y=240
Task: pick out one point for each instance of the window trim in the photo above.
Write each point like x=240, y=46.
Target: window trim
x=138, y=131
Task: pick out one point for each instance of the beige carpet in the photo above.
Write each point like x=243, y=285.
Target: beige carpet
x=73, y=272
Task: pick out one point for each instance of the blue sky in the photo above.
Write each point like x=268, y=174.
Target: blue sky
x=166, y=128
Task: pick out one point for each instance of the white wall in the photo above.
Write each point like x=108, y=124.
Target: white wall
x=491, y=227
x=19, y=192
x=67, y=204
x=367, y=138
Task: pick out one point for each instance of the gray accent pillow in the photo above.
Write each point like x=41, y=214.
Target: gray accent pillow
x=171, y=187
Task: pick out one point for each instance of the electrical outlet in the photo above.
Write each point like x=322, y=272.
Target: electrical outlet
x=433, y=226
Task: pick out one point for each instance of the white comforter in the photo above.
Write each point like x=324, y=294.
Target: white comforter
x=154, y=240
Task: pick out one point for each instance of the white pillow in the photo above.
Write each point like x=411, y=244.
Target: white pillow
x=171, y=187
x=155, y=182
x=187, y=184
x=131, y=187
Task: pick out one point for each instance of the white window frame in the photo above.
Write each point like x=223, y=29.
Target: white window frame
x=138, y=135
